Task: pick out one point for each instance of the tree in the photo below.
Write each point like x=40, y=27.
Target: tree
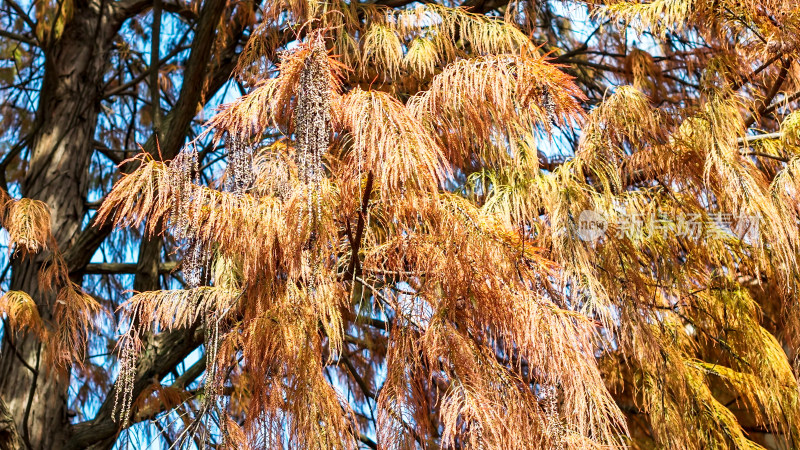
x=497, y=225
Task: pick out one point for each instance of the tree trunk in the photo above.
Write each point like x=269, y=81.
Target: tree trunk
x=60, y=153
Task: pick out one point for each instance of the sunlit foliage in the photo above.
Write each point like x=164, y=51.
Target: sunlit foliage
x=397, y=256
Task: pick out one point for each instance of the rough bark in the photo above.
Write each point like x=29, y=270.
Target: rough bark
x=9, y=436
x=60, y=151
x=33, y=403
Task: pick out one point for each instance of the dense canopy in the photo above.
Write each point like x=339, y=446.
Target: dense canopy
x=326, y=224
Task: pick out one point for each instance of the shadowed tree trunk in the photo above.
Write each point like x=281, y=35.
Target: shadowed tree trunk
x=61, y=148
x=60, y=153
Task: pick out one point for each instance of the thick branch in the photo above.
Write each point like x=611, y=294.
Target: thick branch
x=354, y=268
x=194, y=79
x=770, y=95
x=180, y=383
x=359, y=381
x=80, y=253
x=784, y=101
x=118, y=268
x=162, y=353
x=155, y=89
x=18, y=37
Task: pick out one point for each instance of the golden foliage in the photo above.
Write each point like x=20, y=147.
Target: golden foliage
x=438, y=244
x=387, y=141
x=66, y=334
x=157, y=398
x=474, y=103
x=145, y=191
x=76, y=314
x=22, y=312
x=661, y=15
x=28, y=225
x=752, y=21
x=271, y=103
x=178, y=308
x=383, y=48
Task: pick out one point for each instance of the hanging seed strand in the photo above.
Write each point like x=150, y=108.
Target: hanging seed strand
x=312, y=118
x=176, y=170
x=197, y=255
x=279, y=172
x=190, y=166
x=240, y=165
x=123, y=397
x=195, y=160
x=312, y=125
x=186, y=214
x=184, y=174
x=554, y=425
x=549, y=104
x=478, y=440
x=181, y=173
x=193, y=263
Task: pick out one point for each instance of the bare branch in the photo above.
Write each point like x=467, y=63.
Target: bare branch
x=22, y=14
x=18, y=37
x=119, y=268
